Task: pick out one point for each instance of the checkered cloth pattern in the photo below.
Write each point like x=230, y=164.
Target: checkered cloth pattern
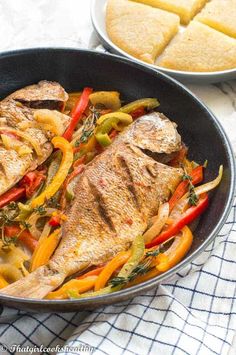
x=193, y=314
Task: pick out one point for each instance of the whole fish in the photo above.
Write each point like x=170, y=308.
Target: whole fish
x=115, y=197
x=17, y=130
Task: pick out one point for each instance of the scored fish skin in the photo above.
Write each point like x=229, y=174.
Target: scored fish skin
x=117, y=194
x=14, y=114
x=45, y=94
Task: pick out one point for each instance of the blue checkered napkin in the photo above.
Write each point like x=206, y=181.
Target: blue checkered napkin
x=193, y=314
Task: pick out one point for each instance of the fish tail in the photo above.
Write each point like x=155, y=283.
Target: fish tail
x=35, y=285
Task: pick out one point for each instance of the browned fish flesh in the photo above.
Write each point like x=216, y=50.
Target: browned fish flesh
x=17, y=156
x=117, y=194
x=45, y=94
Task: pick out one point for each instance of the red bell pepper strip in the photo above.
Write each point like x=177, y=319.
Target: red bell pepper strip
x=196, y=177
x=191, y=214
x=113, y=134
x=13, y=194
x=77, y=112
x=55, y=221
x=31, y=182
x=24, y=236
x=138, y=112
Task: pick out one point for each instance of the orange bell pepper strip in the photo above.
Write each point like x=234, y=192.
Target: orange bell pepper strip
x=75, y=285
x=142, y=278
x=110, y=268
x=177, y=250
x=94, y=272
x=196, y=177
x=59, y=178
x=3, y=282
x=23, y=235
x=45, y=249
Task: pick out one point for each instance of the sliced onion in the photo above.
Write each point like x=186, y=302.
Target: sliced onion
x=45, y=233
x=159, y=222
x=208, y=186
x=33, y=221
x=183, y=203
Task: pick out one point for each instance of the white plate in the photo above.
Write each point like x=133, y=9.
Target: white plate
x=98, y=13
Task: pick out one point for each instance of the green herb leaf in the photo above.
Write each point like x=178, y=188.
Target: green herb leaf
x=40, y=210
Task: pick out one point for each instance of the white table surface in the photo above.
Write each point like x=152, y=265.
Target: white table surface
x=40, y=23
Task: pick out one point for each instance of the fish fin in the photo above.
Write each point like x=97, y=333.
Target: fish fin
x=35, y=285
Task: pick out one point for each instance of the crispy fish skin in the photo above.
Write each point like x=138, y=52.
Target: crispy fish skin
x=117, y=194
x=13, y=114
x=45, y=94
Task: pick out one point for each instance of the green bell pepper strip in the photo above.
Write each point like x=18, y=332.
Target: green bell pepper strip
x=116, y=120
x=137, y=252
x=149, y=104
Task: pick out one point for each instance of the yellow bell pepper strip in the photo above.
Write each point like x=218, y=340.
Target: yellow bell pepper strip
x=75, y=286
x=109, y=99
x=59, y=178
x=106, y=123
x=77, y=112
x=177, y=250
x=45, y=249
x=110, y=268
x=3, y=282
x=149, y=104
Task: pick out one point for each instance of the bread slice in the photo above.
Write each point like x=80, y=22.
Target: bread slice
x=186, y=9
x=201, y=49
x=220, y=15
x=140, y=30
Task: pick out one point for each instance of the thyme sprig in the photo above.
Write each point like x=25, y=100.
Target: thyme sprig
x=89, y=126
x=40, y=210
x=192, y=197
x=25, y=224
x=139, y=270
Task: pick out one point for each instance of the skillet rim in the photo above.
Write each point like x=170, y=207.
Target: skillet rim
x=145, y=286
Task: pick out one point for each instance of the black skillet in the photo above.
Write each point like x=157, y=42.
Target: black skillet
x=200, y=130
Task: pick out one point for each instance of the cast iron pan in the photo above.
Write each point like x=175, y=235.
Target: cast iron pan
x=200, y=130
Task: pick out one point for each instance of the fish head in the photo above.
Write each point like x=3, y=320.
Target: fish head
x=155, y=135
